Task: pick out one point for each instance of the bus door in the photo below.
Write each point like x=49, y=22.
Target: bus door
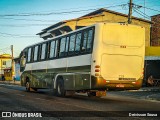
x=22, y=61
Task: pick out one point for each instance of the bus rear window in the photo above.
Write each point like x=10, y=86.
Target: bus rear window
x=87, y=40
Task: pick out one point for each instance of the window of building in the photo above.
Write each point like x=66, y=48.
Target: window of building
x=35, y=53
x=43, y=51
x=4, y=63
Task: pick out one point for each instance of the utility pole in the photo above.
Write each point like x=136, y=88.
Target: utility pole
x=12, y=71
x=130, y=12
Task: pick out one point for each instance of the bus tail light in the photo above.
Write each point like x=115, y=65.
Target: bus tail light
x=97, y=70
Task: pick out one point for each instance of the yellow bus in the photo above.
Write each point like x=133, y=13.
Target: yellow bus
x=91, y=59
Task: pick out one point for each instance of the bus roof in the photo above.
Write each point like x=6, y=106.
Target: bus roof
x=74, y=31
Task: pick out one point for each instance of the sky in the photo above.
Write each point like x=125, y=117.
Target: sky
x=21, y=20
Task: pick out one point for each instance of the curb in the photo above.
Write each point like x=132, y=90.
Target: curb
x=10, y=82
x=150, y=89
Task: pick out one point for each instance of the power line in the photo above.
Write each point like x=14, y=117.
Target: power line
x=151, y=9
x=31, y=20
x=4, y=48
x=141, y=1
x=44, y=14
x=102, y=6
x=5, y=36
x=141, y=13
x=15, y=35
x=53, y=13
x=24, y=25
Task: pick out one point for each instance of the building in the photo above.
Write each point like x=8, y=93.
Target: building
x=5, y=64
x=100, y=15
x=152, y=64
x=155, y=30
x=152, y=59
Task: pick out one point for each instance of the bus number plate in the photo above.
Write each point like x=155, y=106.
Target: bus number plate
x=120, y=85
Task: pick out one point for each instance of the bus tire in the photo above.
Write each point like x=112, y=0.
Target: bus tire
x=60, y=91
x=34, y=89
x=91, y=94
x=53, y=90
x=27, y=86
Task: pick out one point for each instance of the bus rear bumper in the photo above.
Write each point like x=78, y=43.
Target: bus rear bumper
x=102, y=84
x=124, y=85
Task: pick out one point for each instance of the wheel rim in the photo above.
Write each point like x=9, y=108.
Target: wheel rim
x=27, y=86
x=59, y=89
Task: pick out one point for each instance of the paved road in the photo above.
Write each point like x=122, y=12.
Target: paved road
x=14, y=98
x=148, y=93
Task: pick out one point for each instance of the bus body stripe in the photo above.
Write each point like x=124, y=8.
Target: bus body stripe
x=81, y=60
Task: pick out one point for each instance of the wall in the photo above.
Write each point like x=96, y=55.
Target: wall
x=152, y=51
x=155, y=31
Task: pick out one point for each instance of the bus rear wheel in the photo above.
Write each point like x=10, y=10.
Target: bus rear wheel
x=27, y=86
x=91, y=94
x=60, y=91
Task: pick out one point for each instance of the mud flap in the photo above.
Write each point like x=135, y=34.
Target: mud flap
x=100, y=93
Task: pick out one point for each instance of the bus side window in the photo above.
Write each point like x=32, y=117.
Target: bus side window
x=67, y=46
x=72, y=44
x=90, y=39
x=62, y=47
x=48, y=50
x=43, y=51
x=56, y=49
x=29, y=55
x=35, y=53
x=52, y=46
x=78, y=43
x=84, y=41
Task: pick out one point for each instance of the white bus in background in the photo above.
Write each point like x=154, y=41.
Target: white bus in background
x=91, y=59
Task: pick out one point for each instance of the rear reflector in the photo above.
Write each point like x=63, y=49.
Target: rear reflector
x=97, y=70
x=96, y=74
x=97, y=66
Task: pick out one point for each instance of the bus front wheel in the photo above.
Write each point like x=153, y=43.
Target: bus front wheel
x=60, y=88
